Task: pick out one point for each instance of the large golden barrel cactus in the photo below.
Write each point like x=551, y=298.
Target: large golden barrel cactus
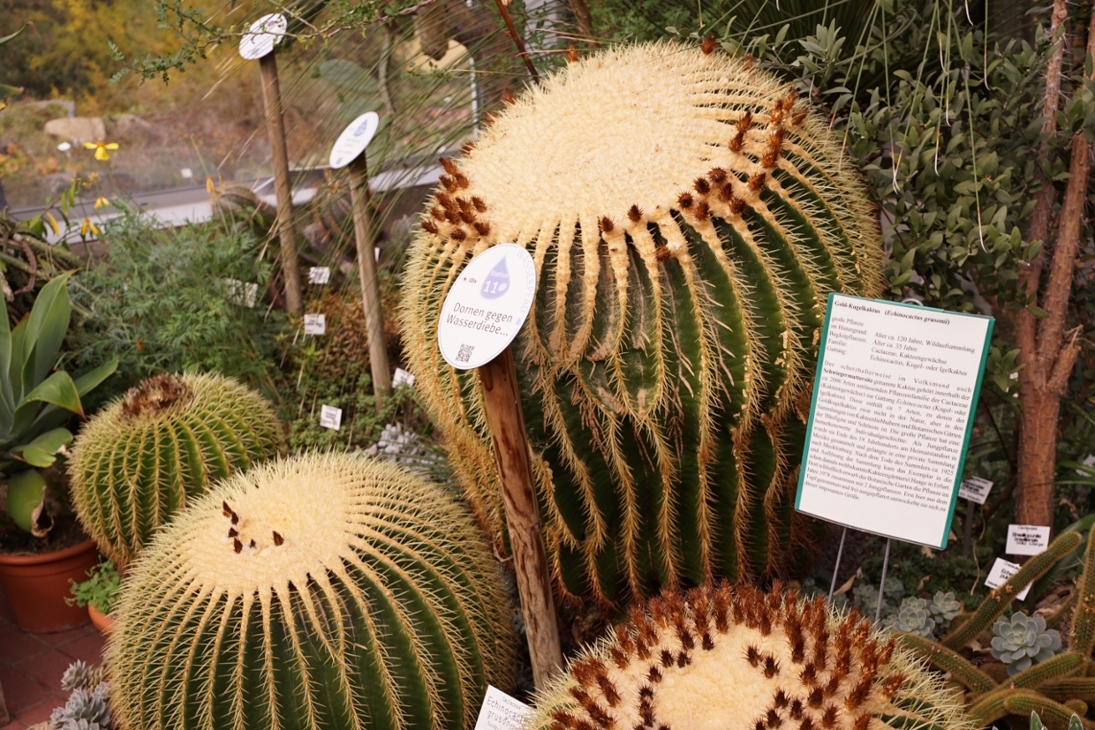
x=739, y=659
x=324, y=591
x=138, y=461
x=688, y=217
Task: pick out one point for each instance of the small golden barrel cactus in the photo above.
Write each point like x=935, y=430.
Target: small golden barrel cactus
x=718, y=658
x=688, y=218
x=138, y=461
x=323, y=591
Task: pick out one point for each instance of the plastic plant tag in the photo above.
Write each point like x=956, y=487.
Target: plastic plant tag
x=262, y=36
x=486, y=306
x=975, y=489
x=1027, y=540
x=1001, y=571
x=315, y=324
x=330, y=417
x=319, y=275
x=354, y=139
x=501, y=712
x=402, y=377
x=241, y=293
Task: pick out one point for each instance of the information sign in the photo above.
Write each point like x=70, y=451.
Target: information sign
x=1027, y=540
x=975, y=489
x=1001, y=571
x=486, y=306
x=262, y=36
x=315, y=324
x=501, y=712
x=319, y=274
x=892, y=412
x=354, y=139
x=330, y=417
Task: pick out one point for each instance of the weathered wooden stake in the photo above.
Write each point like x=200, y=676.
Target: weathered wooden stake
x=507, y=428
x=290, y=268
x=370, y=289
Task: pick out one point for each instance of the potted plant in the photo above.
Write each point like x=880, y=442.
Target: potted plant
x=36, y=402
x=99, y=593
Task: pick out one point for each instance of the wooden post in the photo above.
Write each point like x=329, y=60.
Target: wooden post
x=370, y=289
x=507, y=429
x=290, y=268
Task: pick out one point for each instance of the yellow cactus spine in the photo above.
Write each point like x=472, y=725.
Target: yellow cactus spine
x=688, y=218
x=741, y=658
x=138, y=461
x=324, y=591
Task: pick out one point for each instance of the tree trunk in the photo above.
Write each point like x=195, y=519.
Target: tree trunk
x=1037, y=455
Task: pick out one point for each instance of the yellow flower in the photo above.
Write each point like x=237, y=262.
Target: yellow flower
x=101, y=202
x=53, y=223
x=101, y=148
x=86, y=225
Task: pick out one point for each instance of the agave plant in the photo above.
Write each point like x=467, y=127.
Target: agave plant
x=688, y=218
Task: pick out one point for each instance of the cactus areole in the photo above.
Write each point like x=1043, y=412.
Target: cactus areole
x=688, y=217
x=325, y=591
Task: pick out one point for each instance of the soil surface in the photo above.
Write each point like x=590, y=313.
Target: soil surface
x=66, y=533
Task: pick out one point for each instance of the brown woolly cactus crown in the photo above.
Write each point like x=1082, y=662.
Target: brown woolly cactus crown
x=154, y=396
x=688, y=218
x=740, y=659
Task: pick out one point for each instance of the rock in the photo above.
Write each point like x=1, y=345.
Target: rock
x=57, y=182
x=77, y=129
x=127, y=124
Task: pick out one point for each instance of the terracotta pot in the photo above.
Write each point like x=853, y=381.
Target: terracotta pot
x=37, y=585
x=102, y=621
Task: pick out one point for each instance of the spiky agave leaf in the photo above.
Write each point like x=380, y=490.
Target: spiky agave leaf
x=688, y=218
x=327, y=590
x=138, y=461
x=744, y=659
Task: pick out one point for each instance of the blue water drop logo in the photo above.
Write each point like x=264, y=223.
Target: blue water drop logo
x=496, y=282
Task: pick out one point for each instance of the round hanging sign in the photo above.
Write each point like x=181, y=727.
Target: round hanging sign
x=354, y=139
x=486, y=306
x=262, y=36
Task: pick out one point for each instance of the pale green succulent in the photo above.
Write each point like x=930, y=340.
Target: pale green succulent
x=81, y=675
x=85, y=710
x=914, y=617
x=1023, y=641
x=944, y=607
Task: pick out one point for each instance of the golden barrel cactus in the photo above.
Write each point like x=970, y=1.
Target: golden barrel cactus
x=688, y=217
x=718, y=658
x=323, y=591
x=138, y=461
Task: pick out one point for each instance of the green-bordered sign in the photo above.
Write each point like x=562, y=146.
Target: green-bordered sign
x=891, y=417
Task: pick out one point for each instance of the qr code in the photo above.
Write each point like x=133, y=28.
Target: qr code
x=465, y=353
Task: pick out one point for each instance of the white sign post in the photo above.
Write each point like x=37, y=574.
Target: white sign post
x=482, y=313
x=892, y=412
x=349, y=150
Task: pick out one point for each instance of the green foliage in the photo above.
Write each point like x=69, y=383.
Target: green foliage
x=143, y=457
x=99, y=590
x=1022, y=640
x=36, y=400
x=164, y=301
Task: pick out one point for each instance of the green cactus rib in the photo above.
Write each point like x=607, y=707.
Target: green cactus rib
x=948, y=660
x=685, y=245
x=1083, y=622
x=766, y=660
x=1000, y=598
x=139, y=460
x=327, y=590
x=1054, y=715
x=1079, y=688
x=1058, y=667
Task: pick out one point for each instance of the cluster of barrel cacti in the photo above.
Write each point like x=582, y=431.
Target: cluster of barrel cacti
x=1054, y=686
x=139, y=460
x=688, y=217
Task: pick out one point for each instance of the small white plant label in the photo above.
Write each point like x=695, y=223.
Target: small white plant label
x=241, y=293
x=1027, y=540
x=330, y=417
x=354, y=139
x=315, y=324
x=1088, y=462
x=486, y=306
x=402, y=377
x=319, y=275
x=1001, y=571
x=975, y=489
x=262, y=36
x=501, y=712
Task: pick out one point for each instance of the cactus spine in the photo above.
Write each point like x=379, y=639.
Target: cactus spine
x=328, y=590
x=138, y=461
x=722, y=657
x=688, y=218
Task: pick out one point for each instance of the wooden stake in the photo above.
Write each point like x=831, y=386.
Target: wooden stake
x=275, y=126
x=370, y=289
x=507, y=428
